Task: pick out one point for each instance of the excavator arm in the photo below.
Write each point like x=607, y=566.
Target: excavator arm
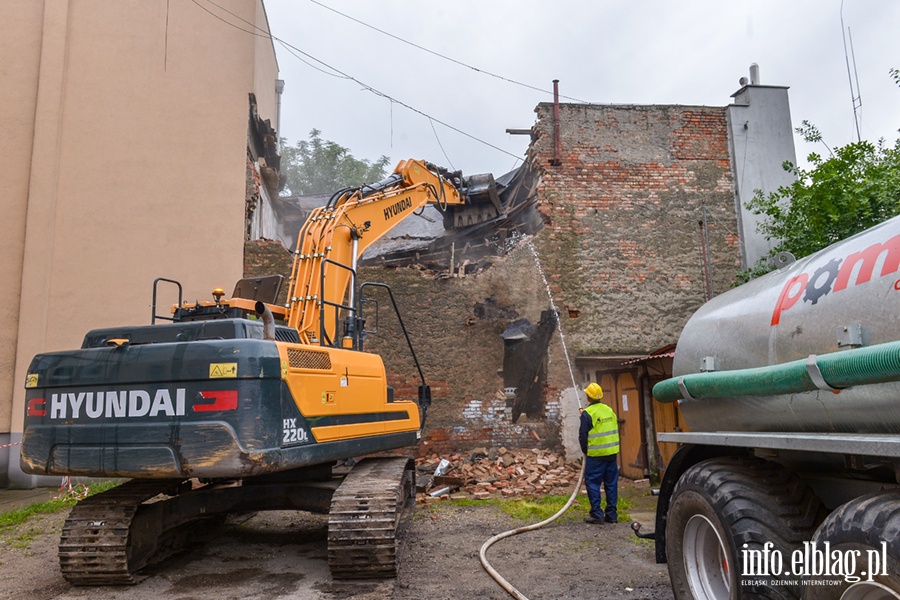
x=335, y=236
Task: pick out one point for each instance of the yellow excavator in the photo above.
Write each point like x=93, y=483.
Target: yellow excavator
x=240, y=404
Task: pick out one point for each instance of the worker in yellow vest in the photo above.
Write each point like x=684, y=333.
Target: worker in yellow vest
x=599, y=439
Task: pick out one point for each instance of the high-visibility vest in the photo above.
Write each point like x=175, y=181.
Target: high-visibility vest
x=603, y=438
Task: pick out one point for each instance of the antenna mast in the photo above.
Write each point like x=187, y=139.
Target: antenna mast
x=852, y=76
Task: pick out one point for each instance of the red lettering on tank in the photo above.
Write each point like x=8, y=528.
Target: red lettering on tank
x=867, y=259
x=839, y=274
x=786, y=299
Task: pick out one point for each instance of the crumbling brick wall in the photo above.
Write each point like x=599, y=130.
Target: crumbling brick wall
x=268, y=257
x=622, y=250
x=454, y=325
x=624, y=209
x=458, y=344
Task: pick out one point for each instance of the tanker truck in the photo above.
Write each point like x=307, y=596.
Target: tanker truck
x=786, y=484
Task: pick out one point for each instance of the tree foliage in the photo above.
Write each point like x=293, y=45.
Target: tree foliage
x=319, y=166
x=855, y=188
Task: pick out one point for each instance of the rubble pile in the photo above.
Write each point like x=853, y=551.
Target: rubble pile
x=497, y=472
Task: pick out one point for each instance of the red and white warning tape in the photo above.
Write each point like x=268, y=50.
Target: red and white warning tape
x=67, y=490
x=65, y=487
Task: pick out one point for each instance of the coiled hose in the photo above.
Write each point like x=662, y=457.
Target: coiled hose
x=506, y=585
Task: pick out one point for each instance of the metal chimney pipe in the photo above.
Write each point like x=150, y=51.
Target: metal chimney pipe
x=754, y=74
x=279, y=89
x=557, y=143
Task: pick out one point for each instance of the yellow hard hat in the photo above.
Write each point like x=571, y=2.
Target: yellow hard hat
x=594, y=391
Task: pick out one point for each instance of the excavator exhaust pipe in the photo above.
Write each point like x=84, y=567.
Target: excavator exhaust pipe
x=268, y=320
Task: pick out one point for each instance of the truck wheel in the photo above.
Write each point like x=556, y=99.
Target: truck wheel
x=724, y=507
x=857, y=529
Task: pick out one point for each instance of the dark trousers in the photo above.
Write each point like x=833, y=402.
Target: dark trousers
x=597, y=471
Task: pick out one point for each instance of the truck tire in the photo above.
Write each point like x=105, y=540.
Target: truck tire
x=861, y=525
x=724, y=506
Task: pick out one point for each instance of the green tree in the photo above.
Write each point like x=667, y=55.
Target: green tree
x=855, y=188
x=849, y=192
x=318, y=166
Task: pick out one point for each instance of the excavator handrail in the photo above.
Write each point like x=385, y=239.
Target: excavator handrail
x=153, y=315
x=352, y=310
x=424, y=399
x=399, y=320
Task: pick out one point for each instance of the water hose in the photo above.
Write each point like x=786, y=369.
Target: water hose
x=484, y=548
x=832, y=372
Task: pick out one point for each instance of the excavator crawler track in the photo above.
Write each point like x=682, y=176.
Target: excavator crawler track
x=106, y=539
x=367, y=511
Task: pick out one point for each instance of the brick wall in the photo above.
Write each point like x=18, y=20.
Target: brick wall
x=460, y=351
x=623, y=238
x=457, y=342
x=268, y=257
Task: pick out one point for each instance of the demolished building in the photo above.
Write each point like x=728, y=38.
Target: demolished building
x=623, y=220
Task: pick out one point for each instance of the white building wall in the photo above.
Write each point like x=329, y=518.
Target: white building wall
x=761, y=138
x=125, y=137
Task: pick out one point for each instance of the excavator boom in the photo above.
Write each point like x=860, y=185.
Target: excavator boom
x=334, y=236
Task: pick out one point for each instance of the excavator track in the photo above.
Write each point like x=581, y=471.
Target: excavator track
x=106, y=540
x=367, y=510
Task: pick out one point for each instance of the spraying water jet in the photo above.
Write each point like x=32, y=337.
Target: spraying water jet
x=483, y=552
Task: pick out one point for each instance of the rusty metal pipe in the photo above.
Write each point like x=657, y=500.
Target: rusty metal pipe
x=557, y=143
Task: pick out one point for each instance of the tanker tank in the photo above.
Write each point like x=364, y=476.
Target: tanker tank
x=839, y=305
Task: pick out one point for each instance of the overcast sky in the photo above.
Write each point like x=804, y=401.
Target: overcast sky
x=627, y=52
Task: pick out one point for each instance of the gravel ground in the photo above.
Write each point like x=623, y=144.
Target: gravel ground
x=282, y=554
x=567, y=559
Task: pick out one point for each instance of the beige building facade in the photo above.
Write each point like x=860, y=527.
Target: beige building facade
x=125, y=138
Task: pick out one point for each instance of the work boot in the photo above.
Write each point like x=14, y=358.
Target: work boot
x=591, y=519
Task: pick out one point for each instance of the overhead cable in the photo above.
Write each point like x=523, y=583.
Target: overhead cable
x=439, y=55
x=365, y=86
x=450, y=162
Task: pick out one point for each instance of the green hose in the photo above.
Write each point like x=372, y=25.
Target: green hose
x=874, y=364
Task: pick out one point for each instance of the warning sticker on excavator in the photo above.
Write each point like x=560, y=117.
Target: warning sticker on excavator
x=222, y=370
x=32, y=380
